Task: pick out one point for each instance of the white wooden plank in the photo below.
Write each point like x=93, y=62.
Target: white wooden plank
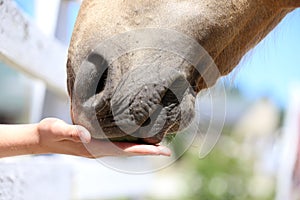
x=37, y=99
x=46, y=15
x=35, y=178
x=93, y=180
x=289, y=149
x=25, y=48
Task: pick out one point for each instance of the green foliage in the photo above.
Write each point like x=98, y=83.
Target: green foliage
x=221, y=176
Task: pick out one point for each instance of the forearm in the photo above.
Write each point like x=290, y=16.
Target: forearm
x=53, y=135
x=19, y=140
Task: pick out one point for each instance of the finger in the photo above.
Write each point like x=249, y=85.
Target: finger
x=148, y=150
x=75, y=133
x=106, y=148
x=84, y=134
x=143, y=149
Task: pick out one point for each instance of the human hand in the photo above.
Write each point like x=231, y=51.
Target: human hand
x=56, y=136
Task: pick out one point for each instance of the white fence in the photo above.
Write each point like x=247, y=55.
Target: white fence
x=30, y=47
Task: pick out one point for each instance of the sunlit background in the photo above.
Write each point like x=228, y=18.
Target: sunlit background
x=248, y=162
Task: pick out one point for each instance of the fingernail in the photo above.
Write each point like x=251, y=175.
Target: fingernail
x=164, y=151
x=84, y=134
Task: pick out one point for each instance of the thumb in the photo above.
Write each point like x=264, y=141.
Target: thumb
x=63, y=131
x=75, y=133
x=83, y=133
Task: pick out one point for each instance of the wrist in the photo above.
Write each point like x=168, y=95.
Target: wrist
x=29, y=140
x=19, y=140
x=34, y=143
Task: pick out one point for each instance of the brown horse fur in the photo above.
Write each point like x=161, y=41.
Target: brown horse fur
x=225, y=29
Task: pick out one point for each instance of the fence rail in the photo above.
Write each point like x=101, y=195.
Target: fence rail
x=25, y=48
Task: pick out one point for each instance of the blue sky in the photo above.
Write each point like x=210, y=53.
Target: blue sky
x=274, y=65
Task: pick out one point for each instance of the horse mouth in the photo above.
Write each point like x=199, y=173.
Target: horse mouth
x=141, y=117
x=151, y=131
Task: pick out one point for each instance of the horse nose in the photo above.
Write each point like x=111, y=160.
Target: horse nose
x=143, y=104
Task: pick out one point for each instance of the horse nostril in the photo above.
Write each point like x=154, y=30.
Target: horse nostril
x=101, y=83
x=175, y=92
x=169, y=98
x=97, y=73
x=147, y=122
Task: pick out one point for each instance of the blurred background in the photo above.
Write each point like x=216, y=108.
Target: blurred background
x=256, y=157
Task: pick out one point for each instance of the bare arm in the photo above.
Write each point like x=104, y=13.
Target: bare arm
x=55, y=136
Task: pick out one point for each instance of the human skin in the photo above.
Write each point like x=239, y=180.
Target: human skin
x=53, y=135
